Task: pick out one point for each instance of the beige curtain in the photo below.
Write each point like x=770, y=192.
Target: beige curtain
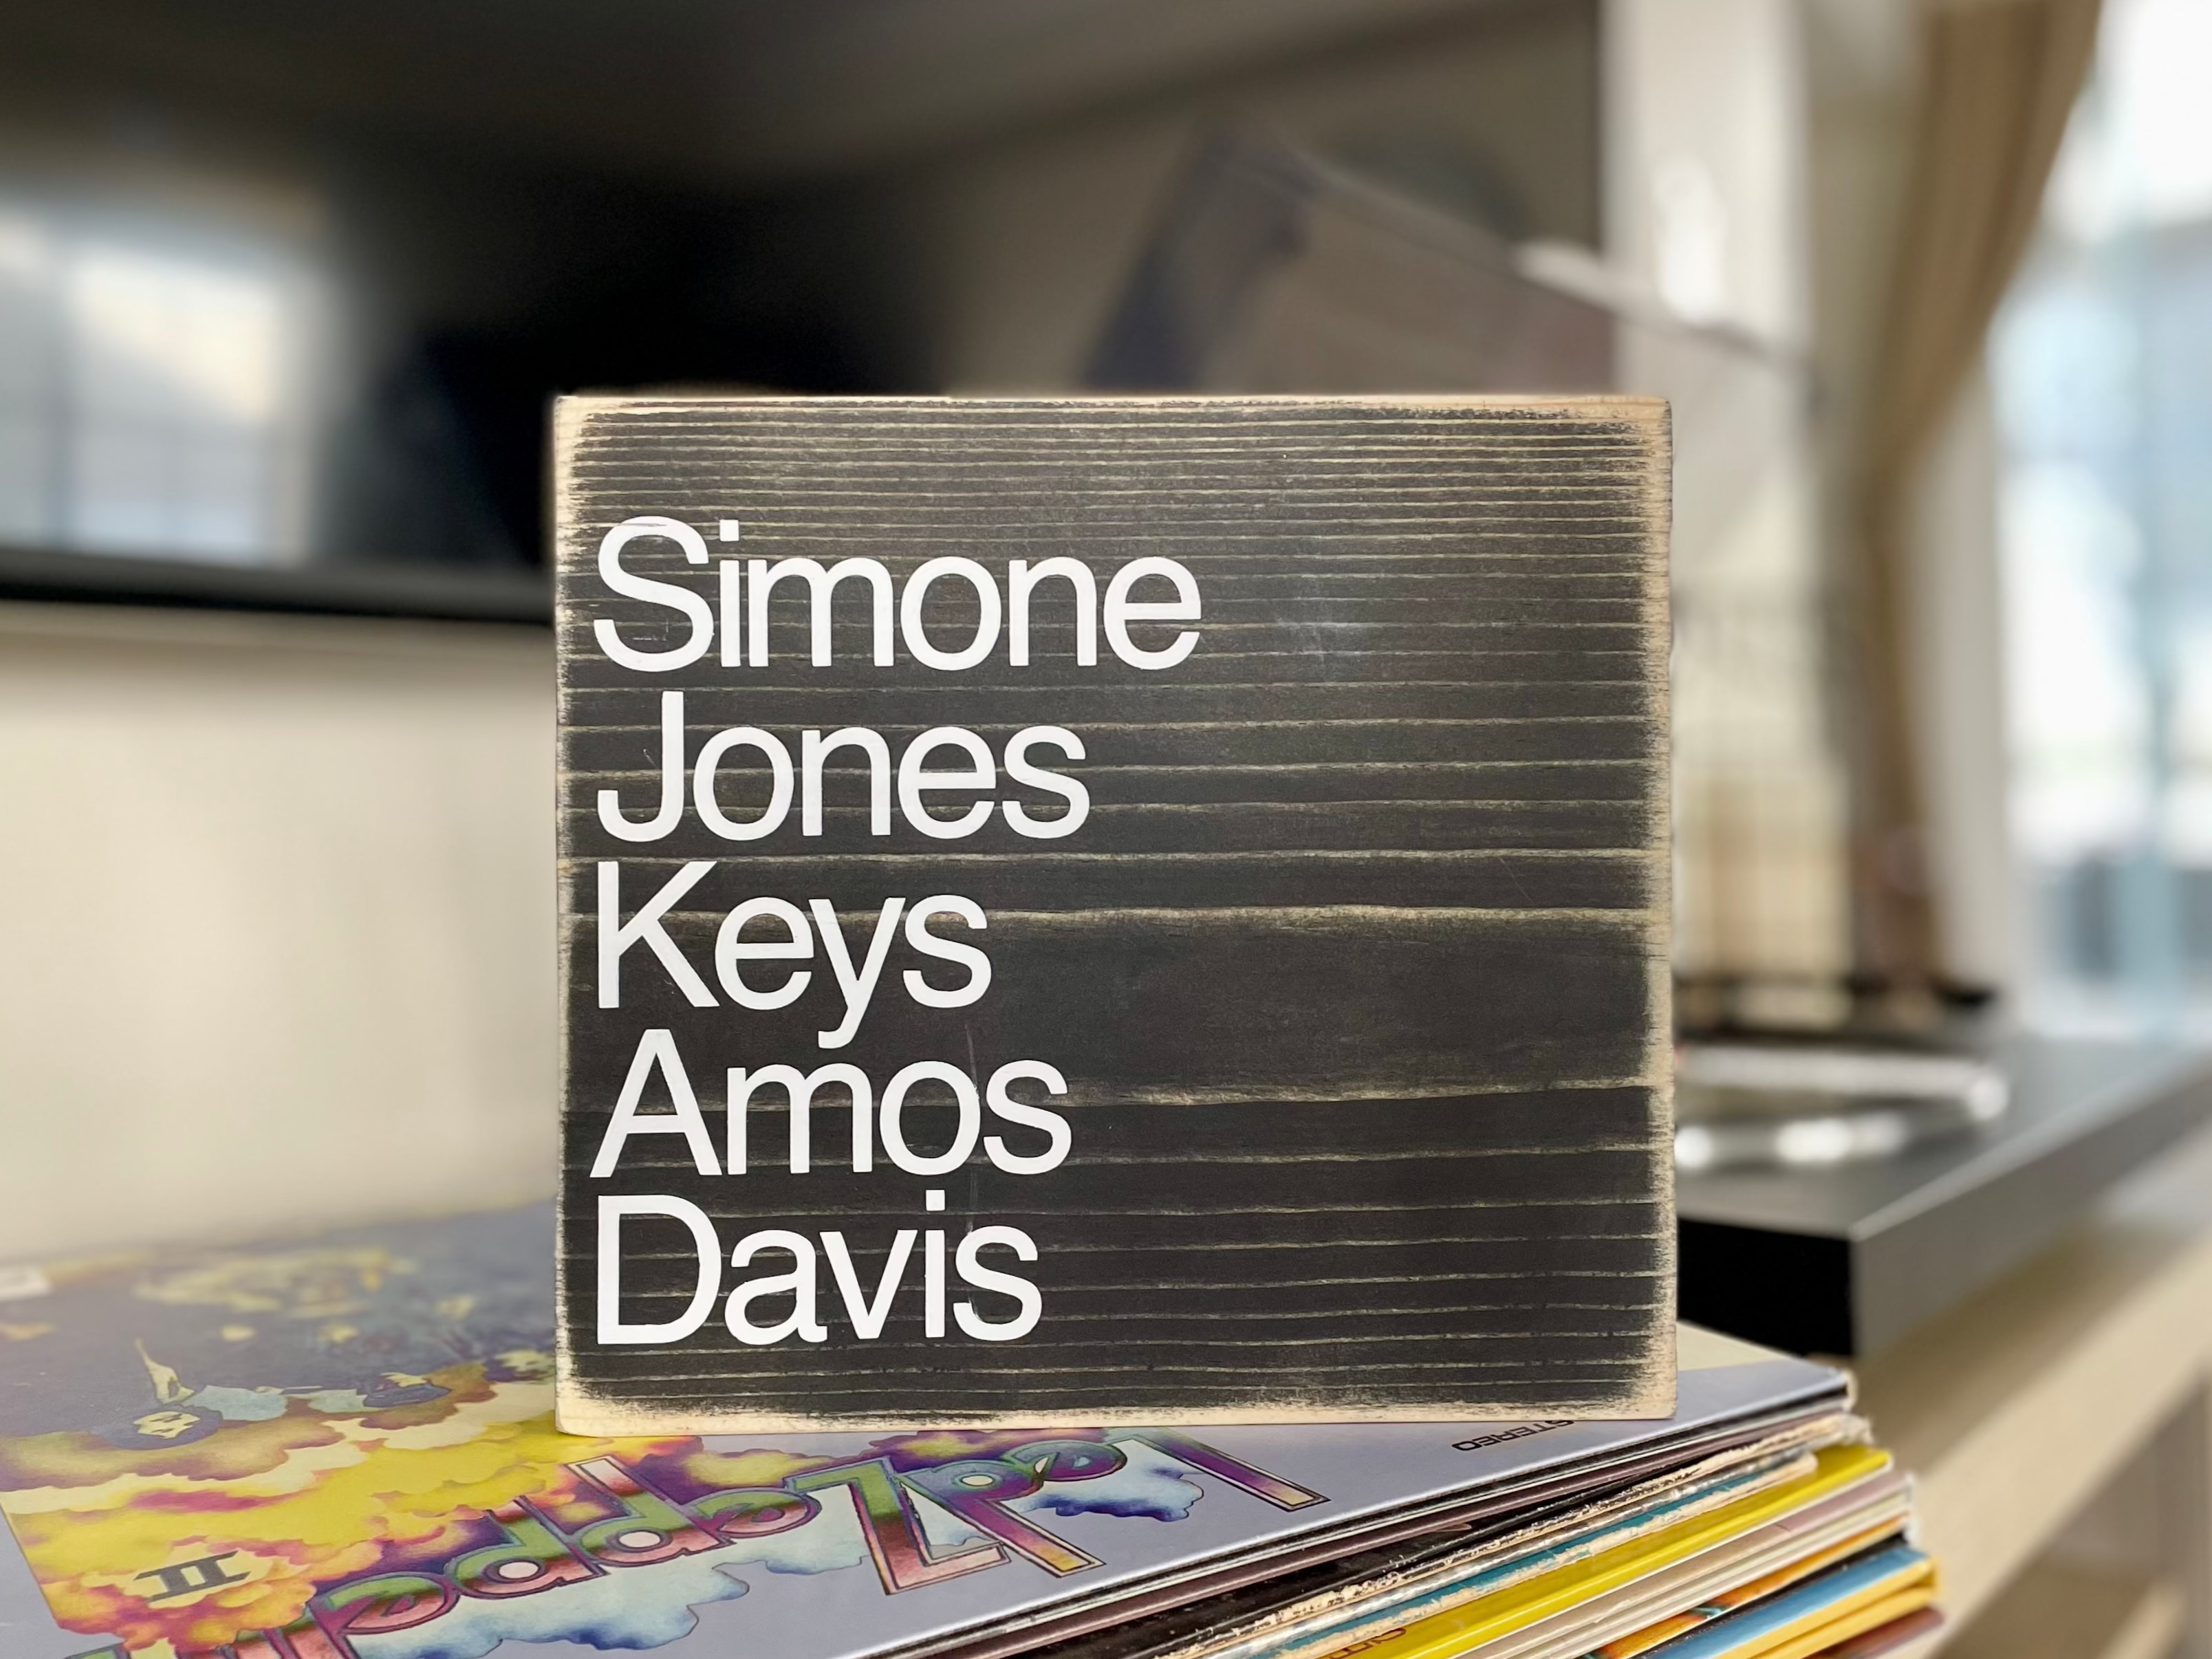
x=1999, y=78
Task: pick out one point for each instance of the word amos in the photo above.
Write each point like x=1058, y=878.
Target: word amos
x=747, y=587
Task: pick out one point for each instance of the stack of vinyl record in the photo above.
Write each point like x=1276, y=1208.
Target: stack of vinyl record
x=342, y=1449
x=1773, y=1530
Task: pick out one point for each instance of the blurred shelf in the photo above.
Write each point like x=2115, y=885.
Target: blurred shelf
x=2065, y=1610
x=1847, y=1258
x=421, y=591
x=848, y=86
x=746, y=92
x=2019, y=1407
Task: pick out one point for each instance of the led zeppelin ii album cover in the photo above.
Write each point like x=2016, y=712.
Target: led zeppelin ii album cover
x=1107, y=911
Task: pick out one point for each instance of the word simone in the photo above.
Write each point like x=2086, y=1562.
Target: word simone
x=745, y=595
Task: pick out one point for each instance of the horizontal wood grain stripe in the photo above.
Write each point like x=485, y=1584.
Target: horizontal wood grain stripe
x=672, y=445
x=1403, y=479
x=1295, y=667
x=1194, y=742
x=1300, y=1268
x=786, y=708
x=1560, y=897
x=1169, y=449
x=1359, y=1376
x=1550, y=829
x=1287, y=1275
x=1319, y=782
x=664, y=434
x=652, y=628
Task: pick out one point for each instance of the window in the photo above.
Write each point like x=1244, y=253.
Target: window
x=2103, y=367
x=152, y=389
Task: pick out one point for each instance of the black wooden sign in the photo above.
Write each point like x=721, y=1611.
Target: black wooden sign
x=1103, y=911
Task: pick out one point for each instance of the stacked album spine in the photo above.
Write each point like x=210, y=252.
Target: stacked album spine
x=1794, y=1543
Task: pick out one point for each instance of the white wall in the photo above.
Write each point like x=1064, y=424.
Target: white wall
x=278, y=935
x=1705, y=158
x=1706, y=209
x=1955, y=616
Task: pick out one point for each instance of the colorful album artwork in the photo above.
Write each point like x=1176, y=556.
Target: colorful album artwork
x=347, y=1450
x=344, y=1449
